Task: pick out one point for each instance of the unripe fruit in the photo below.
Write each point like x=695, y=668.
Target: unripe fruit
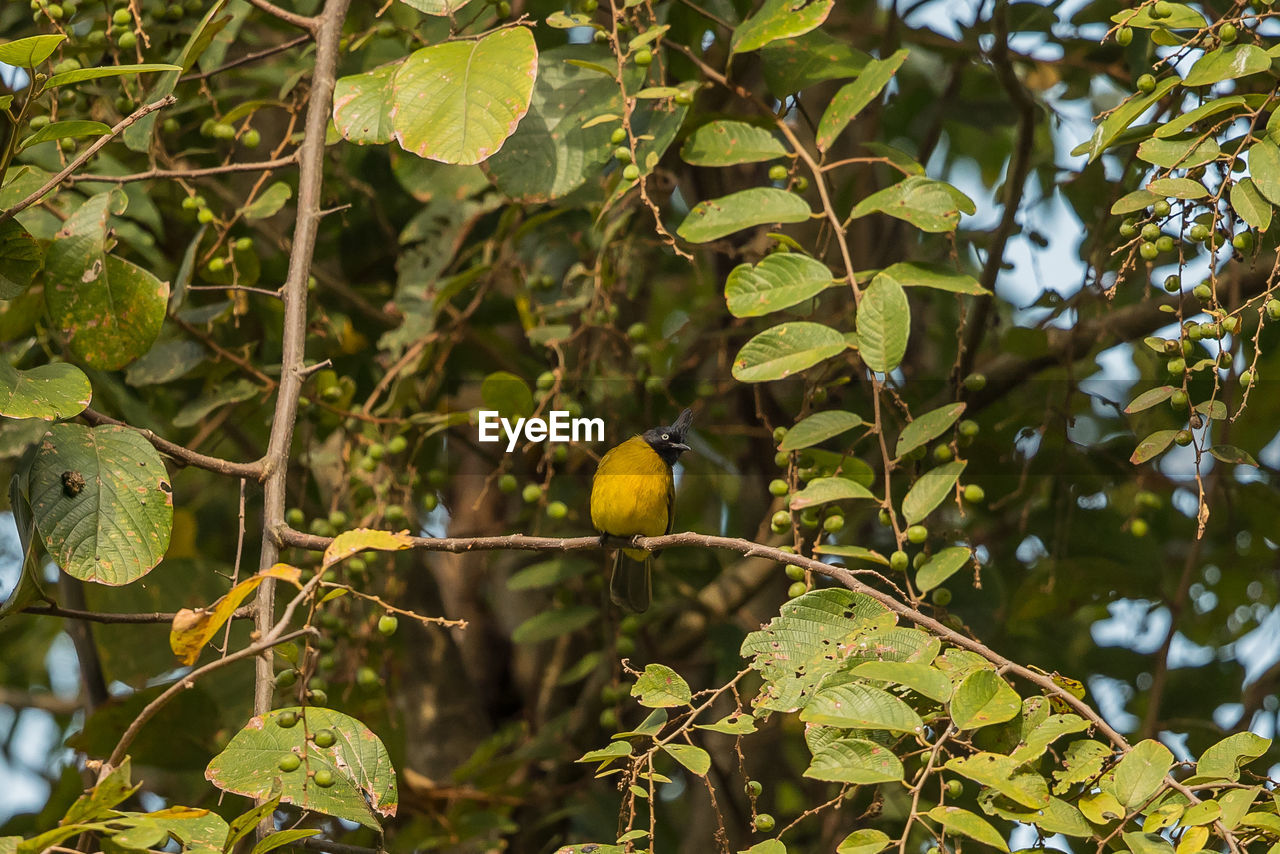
x=795, y=573
x=1162, y=9
x=121, y=17
x=954, y=788
x=781, y=521
x=778, y=487
x=809, y=518
x=1198, y=232
x=832, y=524
x=941, y=597
x=251, y=138
x=884, y=518
x=1243, y=241
x=781, y=459
x=1148, y=251
x=430, y=502
x=557, y=510
x=1183, y=437
x=1139, y=527
x=975, y=382
x=243, y=244
x=1227, y=33
x=1230, y=324
x=754, y=788
x=917, y=534
x=1273, y=309
x=1179, y=399
x=802, y=184
x=618, y=136
x=1203, y=292
x=943, y=453
x=1124, y=36
x=324, y=738
x=899, y=561
x=204, y=216
x=797, y=589
x=323, y=778
x=974, y=494
x=295, y=517
x=622, y=154
x=1146, y=84
x=631, y=172
x=1150, y=231
x=1160, y=208
x=1177, y=367
x=532, y=493
x=968, y=428
x=287, y=720
x=318, y=697
x=1128, y=229
x=777, y=172
x=1164, y=243
x=1246, y=378
x=286, y=678
x=289, y=763
x=387, y=625
x=1173, y=283
x=643, y=57
x=504, y=9
x=508, y=483
x=398, y=444
x=765, y=823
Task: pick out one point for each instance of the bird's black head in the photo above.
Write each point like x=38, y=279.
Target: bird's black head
x=668, y=442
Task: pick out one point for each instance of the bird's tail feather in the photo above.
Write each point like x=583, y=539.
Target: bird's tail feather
x=630, y=585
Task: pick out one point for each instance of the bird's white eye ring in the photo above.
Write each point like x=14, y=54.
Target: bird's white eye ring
x=665, y=437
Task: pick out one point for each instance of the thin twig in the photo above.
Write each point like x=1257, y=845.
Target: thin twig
x=185, y=456
x=311, y=25
x=109, y=617
x=247, y=58
x=185, y=174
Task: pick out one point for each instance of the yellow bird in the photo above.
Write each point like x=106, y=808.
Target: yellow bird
x=634, y=494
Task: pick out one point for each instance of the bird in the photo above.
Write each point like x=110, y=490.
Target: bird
x=633, y=494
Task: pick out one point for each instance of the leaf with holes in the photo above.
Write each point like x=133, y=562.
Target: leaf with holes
x=884, y=324
x=918, y=676
x=364, y=783
x=726, y=143
x=715, y=218
x=459, y=101
x=362, y=106
x=779, y=19
x=786, y=349
x=102, y=502
x=1000, y=773
x=20, y=259
x=779, y=281
x=51, y=392
x=853, y=97
x=661, y=687
x=110, y=309
x=983, y=698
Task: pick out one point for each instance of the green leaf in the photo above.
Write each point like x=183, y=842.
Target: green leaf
x=930, y=490
x=855, y=760
x=29, y=52
x=1082, y=761
x=786, y=349
x=982, y=698
x=941, y=566
x=793, y=64
x=1110, y=128
x=860, y=706
x=1264, y=167
x=1138, y=200
x=166, y=361
x=281, y=838
x=508, y=394
x=52, y=392
x=110, y=309
x=779, y=281
x=1187, y=153
x=362, y=106
x=884, y=324
x=20, y=259
x=853, y=97
x=31, y=569
x=458, y=102
x=778, y=19
x=661, y=687
x=929, y=205
x=1181, y=123
x=1057, y=816
x=1233, y=455
x=1222, y=761
x=1146, y=843
x=269, y=202
x=114, y=528
x=999, y=773
x=615, y=750
x=1180, y=17
x=1035, y=743
x=554, y=623
x=734, y=724
x=1204, y=812
x=812, y=637
x=927, y=427
x=1178, y=188
x=855, y=552
x=1250, y=205
x=824, y=490
x=364, y=782
x=1150, y=398
x=196, y=410
x=716, y=218
x=818, y=428
x=64, y=130
x=100, y=71
x=554, y=151
x=919, y=677
x=1152, y=446
x=693, y=758
x=965, y=823
x=649, y=727
x=865, y=841
x=936, y=276
x=548, y=573
x=1228, y=63
x=440, y=8
x=1141, y=773
x=725, y=143
x=768, y=846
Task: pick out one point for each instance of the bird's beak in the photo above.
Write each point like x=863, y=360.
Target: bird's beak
x=680, y=446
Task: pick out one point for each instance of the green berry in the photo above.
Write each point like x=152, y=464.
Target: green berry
x=286, y=678
x=1177, y=367
x=287, y=719
x=338, y=519
x=324, y=738
x=968, y=428
x=1124, y=36
x=295, y=517
x=941, y=597
x=899, y=561
x=318, y=697
x=430, y=502
x=1162, y=9
x=777, y=172
x=618, y=136
x=217, y=265
x=1203, y=292
x=622, y=154
x=1128, y=229
x=1148, y=251
x=781, y=459
x=121, y=17
x=387, y=625
x=1243, y=241
x=797, y=589
x=243, y=244
x=638, y=331
x=1273, y=309
x=1150, y=231
x=251, y=138
x=754, y=788
x=1227, y=33
x=545, y=380
x=684, y=97
x=974, y=494
x=765, y=823
x=631, y=172
x=1199, y=233
x=1146, y=84
x=643, y=57
x=1164, y=243
x=557, y=510
x=1160, y=208
x=943, y=453
x=1173, y=283
x=323, y=778
x=781, y=521
x=504, y=9
x=1230, y=325
x=832, y=524
x=1183, y=437
x=508, y=483
x=795, y=573
x=1139, y=527
x=204, y=216
x=397, y=445
x=222, y=130
x=917, y=534
x=954, y=788
x=532, y=493
x=289, y=762
x=609, y=719
x=778, y=487
x=975, y=382
x=884, y=518
x=802, y=184
x=779, y=433
x=1246, y=378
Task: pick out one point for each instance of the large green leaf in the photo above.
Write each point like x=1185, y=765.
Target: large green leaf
x=779, y=281
x=930, y=490
x=1110, y=128
x=1264, y=167
x=102, y=502
x=1183, y=122
x=459, y=101
x=1057, y=816
x=64, y=130
x=962, y=822
x=362, y=106
x=1250, y=205
x=936, y=276
x=927, y=427
x=725, y=143
x=1141, y=772
x=50, y=392
x=660, y=687
x=779, y=19
x=884, y=324
x=786, y=349
x=1000, y=773
x=1036, y=742
x=853, y=97
x=1224, y=759
x=983, y=698
x=793, y=64
x=929, y=205
x=110, y=309
x=553, y=152
x=1228, y=63
x=364, y=783
x=812, y=637
x=20, y=259
x=824, y=490
x=716, y=218
x=693, y=758
x=1186, y=153
x=854, y=760
x=940, y=566
x=819, y=427
x=918, y=676
x=436, y=7
x=858, y=705
x=80, y=75
x=31, y=51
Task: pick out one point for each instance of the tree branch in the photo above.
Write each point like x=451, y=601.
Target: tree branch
x=311, y=25
x=108, y=617
x=181, y=455
x=84, y=156
x=204, y=172
x=247, y=59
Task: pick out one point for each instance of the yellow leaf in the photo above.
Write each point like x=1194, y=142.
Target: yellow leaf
x=350, y=542
x=1193, y=839
x=192, y=629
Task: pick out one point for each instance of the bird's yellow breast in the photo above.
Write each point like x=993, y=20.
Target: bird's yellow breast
x=632, y=492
